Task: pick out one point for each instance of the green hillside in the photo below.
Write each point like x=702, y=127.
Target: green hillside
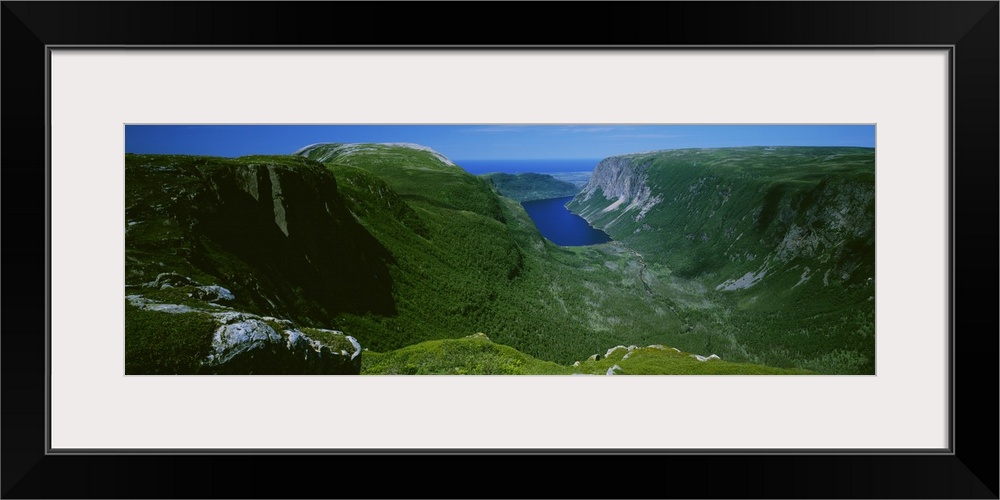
x=780, y=240
x=415, y=172
x=477, y=355
x=530, y=186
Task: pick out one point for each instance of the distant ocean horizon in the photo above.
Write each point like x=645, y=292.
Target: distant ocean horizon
x=479, y=167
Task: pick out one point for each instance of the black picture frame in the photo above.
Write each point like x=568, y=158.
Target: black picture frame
x=970, y=470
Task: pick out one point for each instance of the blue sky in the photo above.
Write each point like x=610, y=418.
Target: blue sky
x=488, y=142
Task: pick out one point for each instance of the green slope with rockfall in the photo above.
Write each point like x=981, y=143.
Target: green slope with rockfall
x=777, y=244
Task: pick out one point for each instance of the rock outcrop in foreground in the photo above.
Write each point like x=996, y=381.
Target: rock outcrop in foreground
x=242, y=343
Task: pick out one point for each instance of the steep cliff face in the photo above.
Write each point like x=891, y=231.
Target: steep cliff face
x=738, y=217
x=274, y=230
x=622, y=180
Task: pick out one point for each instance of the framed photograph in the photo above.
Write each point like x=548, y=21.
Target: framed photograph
x=172, y=160
x=447, y=249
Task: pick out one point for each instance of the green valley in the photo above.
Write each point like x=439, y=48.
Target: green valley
x=388, y=258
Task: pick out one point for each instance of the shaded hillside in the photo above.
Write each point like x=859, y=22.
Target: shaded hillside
x=274, y=230
x=216, y=248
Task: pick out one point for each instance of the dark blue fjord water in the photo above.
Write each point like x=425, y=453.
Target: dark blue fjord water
x=561, y=226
